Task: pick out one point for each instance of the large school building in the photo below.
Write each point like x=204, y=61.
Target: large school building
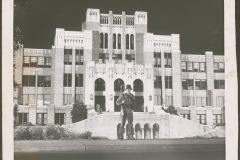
x=89, y=66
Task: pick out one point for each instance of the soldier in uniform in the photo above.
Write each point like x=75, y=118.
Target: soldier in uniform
x=127, y=101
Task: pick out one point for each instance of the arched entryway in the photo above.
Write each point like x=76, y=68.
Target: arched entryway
x=138, y=89
x=99, y=97
x=118, y=128
x=138, y=131
x=147, y=131
x=117, y=85
x=155, y=131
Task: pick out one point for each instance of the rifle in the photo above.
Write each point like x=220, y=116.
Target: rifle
x=121, y=94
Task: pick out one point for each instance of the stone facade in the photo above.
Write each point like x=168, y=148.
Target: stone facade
x=112, y=50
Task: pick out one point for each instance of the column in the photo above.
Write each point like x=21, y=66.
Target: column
x=36, y=87
x=151, y=133
x=73, y=92
x=163, y=79
x=32, y=115
x=176, y=79
x=123, y=38
x=210, y=78
x=110, y=35
x=209, y=115
x=193, y=113
x=50, y=114
x=142, y=133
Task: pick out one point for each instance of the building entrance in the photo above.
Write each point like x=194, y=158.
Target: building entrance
x=116, y=107
x=101, y=101
x=139, y=104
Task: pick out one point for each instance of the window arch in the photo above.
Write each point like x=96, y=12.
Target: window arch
x=132, y=42
x=127, y=41
x=119, y=41
x=138, y=85
x=101, y=40
x=155, y=131
x=147, y=131
x=114, y=41
x=99, y=84
x=106, y=41
x=118, y=83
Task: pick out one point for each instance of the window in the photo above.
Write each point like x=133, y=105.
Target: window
x=168, y=60
x=184, y=66
x=138, y=85
x=99, y=85
x=117, y=58
x=119, y=41
x=158, y=82
x=114, y=41
x=101, y=40
x=201, y=118
x=106, y=41
x=201, y=84
x=79, y=57
x=217, y=119
x=33, y=62
x=45, y=98
x=29, y=80
x=41, y=62
x=188, y=101
x=79, y=98
x=201, y=101
x=157, y=59
x=67, y=99
x=169, y=100
x=189, y=66
x=67, y=80
x=157, y=100
x=28, y=99
x=127, y=41
x=103, y=57
x=187, y=84
x=44, y=81
x=196, y=67
x=132, y=42
x=187, y=116
x=202, y=67
x=60, y=118
x=41, y=118
x=218, y=67
x=67, y=56
x=22, y=118
x=26, y=61
x=48, y=62
x=130, y=57
x=79, y=80
x=219, y=84
x=220, y=101
x=168, y=82
x=117, y=84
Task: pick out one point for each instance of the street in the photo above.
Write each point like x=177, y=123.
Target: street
x=171, y=149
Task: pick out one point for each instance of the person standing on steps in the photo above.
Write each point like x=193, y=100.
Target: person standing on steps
x=128, y=103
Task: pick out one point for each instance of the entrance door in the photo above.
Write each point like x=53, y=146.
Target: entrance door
x=101, y=101
x=116, y=107
x=139, y=104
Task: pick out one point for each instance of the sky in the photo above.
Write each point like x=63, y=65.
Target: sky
x=200, y=23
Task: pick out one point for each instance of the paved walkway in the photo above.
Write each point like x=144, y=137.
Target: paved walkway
x=163, y=145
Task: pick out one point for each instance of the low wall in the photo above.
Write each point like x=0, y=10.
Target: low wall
x=170, y=126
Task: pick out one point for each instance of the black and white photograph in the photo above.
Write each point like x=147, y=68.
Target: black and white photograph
x=122, y=79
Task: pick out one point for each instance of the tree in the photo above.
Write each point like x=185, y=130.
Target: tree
x=79, y=112
x=171, y=110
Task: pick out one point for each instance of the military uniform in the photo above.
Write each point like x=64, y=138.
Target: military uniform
x=128, y=107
